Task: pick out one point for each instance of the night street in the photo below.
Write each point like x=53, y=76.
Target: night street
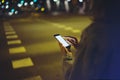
x=28, y=49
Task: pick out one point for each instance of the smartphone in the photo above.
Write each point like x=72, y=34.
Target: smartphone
x=62, y=40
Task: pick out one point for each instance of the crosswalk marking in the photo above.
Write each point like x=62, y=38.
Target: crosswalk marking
x=12, y=36
x=17, y=50
x=14, y=42
x=25, y=62
x=34, y=78
x=10, y=32
x=8, y=28
x=13, y=39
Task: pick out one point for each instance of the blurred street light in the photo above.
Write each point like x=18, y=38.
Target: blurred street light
x=80, y=0
x=16, y=12
x=7, y=6
x=3, y=1
x=7, y=2
x=10, y=13
x=34, y=1
x=31, y=3
x=42, y=9
x=19, y=5
x=48, y=4
x=25, y=4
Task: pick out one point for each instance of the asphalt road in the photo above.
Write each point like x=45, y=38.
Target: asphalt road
x=30, y=50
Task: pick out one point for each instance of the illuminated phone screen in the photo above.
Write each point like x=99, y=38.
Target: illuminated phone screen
x=61, y=40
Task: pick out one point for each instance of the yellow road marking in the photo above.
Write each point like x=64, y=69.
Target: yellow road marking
x=68, y=28
x=55, y=24
x=62, y=26
x=8, y=28
x=12, y=36
x=14, y=42
x=26, y=62
x=10, y=32
x=34, y=78
x=76, y=31
x=6, y=23
x=17, y=50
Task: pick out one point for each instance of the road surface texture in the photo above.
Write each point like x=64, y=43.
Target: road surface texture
x=28, y=50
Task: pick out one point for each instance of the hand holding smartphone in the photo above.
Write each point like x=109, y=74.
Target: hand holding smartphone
x=65, y=47
x=62, y=40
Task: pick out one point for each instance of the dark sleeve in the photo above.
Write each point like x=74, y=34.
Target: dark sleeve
x=67, y=63
x=76, y=73
x=83, y=67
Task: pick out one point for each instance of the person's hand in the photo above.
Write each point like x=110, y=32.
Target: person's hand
x=67, y=54
x=72, y=41
x=64, y=50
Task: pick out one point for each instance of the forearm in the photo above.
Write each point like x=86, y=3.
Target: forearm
x=68, y=61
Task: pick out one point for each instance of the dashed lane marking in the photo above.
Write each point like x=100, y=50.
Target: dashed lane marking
x=12, y=36
x=75, y=31
x=17, y=50
x=25, y=62
x=68, y=28
x=14, y=42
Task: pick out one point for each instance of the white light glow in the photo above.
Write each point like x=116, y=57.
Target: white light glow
x=31, y=3
x=80, y=0
x=7, y=6
x=25, y=4
x=55, y=0
x=10, y=13
x=68, y=0
x=19, y=5
x=16, y=12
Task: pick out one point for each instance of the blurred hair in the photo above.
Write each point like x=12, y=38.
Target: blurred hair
x=108, y=10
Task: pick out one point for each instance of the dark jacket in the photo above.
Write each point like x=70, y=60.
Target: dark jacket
x=98, y=56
